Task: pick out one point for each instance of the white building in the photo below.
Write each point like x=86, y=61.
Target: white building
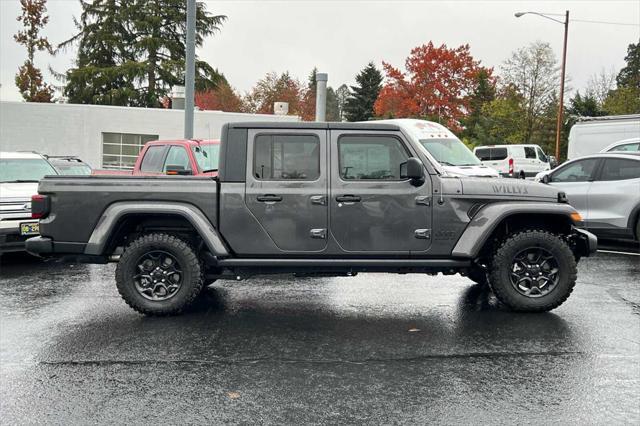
x=104, y=136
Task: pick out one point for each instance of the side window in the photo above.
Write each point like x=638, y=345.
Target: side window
x=483, y=154
x=529, y=152
x=633, y=147
x=177, y=156
x=286, y=157
x=152, y=161
x=370, y=157
x=499, y=153
x=620, y=169
x=541, y=155
x=580, y=171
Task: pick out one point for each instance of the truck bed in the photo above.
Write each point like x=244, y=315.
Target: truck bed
x=79, y=201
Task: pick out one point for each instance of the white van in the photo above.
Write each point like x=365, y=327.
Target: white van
x=513, y=160
x=591, y=135
x=442, y=146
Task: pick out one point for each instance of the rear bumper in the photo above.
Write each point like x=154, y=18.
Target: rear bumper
x=10, y=238
x=585, y=242
x=45, y=246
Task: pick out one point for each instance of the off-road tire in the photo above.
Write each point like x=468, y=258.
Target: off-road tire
x=502, y=262
x=182, y=251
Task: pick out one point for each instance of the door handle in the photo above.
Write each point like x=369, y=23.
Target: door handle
x=319, y=200
x=269, y=198
x=348, y=198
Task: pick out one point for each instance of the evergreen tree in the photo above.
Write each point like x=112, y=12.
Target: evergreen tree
x=629, y=76
x=29, y=79
x=359, y=106
x=342, y=94
x=131, y=52
x=484, y=92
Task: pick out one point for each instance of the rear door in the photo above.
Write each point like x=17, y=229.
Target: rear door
x=286, y=187
x=373, y=210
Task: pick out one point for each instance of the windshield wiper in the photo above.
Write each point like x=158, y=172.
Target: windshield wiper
x=20, y=181
x=209, y=170
x=446, y=163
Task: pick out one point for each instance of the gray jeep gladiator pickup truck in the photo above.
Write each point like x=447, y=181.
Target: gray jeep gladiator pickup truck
x=315, y=199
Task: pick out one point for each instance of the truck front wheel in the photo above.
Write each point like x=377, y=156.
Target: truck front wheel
x=159, y=274
x=533, y=271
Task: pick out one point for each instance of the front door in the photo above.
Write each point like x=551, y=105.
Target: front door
x=575, y=179
x=286, y=187
x=372, y=208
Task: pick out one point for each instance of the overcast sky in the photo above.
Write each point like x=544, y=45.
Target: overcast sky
x=340, y=37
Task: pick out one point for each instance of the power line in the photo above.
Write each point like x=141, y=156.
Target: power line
x=605, y=22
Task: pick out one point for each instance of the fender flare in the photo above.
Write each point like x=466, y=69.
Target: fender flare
x=116, y=211
x=487, y=219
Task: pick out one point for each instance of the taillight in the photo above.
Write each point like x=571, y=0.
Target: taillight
x=511, y=166
x=39, y=206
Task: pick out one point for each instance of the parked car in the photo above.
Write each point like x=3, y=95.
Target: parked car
x=174, y=157
x=316, y=199
x=19, y=176
x=605, y=189
x=626, y=145
x=68, y=165
x=591, y=135
x=443, y=146
x=514, y=160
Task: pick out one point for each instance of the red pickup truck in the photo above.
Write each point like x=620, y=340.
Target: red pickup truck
x=178, y=157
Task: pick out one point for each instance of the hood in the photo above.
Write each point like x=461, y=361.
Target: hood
x=18, y=191
x=517, y=188
x=478, y=171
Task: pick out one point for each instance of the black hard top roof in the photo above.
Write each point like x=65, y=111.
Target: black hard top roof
x=313, y=125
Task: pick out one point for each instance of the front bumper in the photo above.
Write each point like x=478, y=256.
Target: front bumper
x=585, y=243
x=10, y=238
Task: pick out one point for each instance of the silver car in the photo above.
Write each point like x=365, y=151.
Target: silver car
x=605, y=189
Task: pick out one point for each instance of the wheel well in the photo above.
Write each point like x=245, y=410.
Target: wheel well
x=554, y=223
x=131, y=226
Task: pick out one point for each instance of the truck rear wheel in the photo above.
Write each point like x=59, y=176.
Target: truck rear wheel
x=159, y=274
x=533, y=271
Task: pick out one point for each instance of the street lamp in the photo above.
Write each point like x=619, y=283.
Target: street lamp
x=564, y=63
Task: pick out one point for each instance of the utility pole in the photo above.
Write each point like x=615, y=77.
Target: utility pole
x=190, y=70
x=561, y=103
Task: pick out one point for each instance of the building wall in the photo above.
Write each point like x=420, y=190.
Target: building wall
x=71, y=129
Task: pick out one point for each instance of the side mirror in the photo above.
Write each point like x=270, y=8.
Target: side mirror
x=413, y=169
x=546, y=178
x=175, y=170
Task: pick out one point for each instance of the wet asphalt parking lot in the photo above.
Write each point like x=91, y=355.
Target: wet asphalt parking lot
x=374, y=348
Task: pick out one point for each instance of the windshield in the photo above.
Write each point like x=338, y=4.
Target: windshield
x=450, y=152
x=24, y=169
x=72, y=168
x=207, y=156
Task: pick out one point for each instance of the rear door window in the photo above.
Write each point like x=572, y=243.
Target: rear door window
x=286, y=157
x=491, y=154
x=152, y=161
x=620, y=169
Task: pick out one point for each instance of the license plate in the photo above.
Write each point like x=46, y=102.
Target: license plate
x=29, y=228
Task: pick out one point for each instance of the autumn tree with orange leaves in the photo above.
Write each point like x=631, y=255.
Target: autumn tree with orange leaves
x=222, y=98
x=438, y=84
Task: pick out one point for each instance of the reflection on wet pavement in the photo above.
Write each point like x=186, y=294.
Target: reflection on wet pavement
x=372, y=348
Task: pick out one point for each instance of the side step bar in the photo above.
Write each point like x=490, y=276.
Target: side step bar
x=345, y=263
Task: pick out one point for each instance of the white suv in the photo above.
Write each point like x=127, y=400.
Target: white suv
x=19, y=176
x=514, y=160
